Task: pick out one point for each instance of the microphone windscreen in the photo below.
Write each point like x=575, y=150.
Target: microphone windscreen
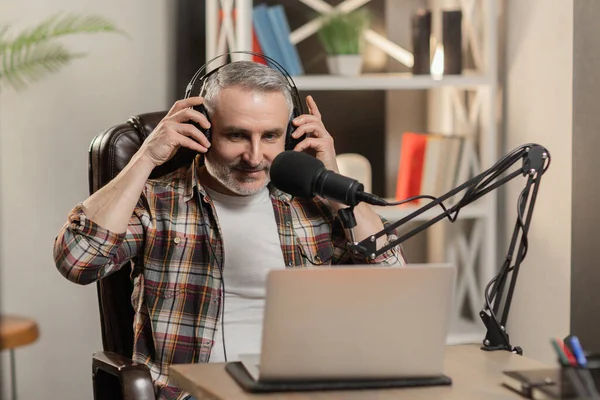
x=294, y=172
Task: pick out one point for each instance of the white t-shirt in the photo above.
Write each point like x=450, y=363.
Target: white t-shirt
x=252, y=248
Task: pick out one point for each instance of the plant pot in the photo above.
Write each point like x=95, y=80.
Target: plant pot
x=345, y=64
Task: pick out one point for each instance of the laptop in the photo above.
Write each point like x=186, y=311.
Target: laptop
x=354, y=323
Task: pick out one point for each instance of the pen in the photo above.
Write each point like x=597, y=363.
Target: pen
x=577, y=350
x=580, y=387
x=562, y=357
x=564, y=346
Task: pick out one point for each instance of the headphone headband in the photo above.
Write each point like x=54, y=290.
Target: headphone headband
x=275, y=65
x=199, y=79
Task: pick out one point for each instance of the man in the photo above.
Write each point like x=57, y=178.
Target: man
x=211, y=228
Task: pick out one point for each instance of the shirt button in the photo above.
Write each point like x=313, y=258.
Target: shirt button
x=288, y=223
x=317, y=258
x=177, y=240
x=290, y=264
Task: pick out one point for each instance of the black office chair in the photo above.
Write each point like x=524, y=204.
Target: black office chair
x=115, y=375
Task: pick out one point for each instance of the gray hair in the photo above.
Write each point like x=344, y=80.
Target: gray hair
x=248, y=75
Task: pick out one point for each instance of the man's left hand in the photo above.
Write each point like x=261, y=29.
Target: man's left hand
x=317, y=138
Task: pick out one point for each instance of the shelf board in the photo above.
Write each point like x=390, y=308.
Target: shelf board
x=395, y=213
x=464, y=331
x=388, y=81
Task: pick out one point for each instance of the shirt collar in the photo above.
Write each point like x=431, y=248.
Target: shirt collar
x=279, y=195
x=191, y=180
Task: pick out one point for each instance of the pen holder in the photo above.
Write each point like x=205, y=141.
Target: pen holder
x=575, y=381
x=594, y=366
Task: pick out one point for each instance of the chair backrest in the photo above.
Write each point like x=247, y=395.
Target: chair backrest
x=356, y=166
x=109, y=152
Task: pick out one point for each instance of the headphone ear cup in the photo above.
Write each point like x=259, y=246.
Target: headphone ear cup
x=290, y=142
x=207, y=132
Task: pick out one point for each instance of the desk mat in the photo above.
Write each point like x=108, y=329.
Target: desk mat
x=239, y=373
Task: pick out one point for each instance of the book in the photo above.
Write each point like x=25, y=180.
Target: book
x=257, y=49
x=421, y=41
x=539, y=384
x=448, y=178
x=433, y=164
x=452, y=40
x=436, y=160
x=265, y=33
x=282, y=34
x=410, y=167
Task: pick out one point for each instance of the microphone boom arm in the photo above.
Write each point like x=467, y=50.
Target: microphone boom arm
x=536, y=159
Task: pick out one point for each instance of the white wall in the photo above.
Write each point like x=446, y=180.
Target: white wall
x=44, y=136
x=539, y=86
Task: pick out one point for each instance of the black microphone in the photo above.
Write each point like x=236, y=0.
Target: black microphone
x=304, y=176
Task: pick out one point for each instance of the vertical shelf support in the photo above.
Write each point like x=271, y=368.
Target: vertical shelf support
x=472, y=245
x=228, y=28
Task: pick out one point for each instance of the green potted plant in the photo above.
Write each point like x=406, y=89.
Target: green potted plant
x=30, y=55
x=342, y=36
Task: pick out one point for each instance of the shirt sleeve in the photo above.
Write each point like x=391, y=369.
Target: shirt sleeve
x=343, y=255
x=85, y=252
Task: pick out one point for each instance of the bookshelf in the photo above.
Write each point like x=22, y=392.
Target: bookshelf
x=472, y=245
x=389, y=81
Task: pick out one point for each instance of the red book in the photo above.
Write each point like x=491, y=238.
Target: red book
x=257, y=49
x=410, y=167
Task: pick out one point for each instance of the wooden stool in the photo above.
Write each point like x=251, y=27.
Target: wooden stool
x=15, y=332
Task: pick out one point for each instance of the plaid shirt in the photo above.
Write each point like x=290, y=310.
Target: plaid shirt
x=175, y=245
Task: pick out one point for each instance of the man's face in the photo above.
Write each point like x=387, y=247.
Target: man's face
x=248, y=131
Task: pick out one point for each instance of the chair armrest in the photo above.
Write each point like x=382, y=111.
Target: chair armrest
x=114, y=374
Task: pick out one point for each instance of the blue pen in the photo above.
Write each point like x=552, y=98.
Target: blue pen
x=578, y=351
x=584, y=372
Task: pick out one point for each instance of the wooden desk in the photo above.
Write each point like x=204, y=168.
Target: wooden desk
x=476, y=374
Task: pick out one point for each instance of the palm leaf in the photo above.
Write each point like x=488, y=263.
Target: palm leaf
x=32, y=54
x=37, y=62
x=57, y=26
x=3, y=30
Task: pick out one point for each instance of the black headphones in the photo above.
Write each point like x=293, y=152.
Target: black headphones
x=196, y=85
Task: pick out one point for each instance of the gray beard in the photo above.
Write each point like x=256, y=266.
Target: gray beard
x=223, y=175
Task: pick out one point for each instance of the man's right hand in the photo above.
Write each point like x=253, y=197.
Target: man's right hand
x=174, y=131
